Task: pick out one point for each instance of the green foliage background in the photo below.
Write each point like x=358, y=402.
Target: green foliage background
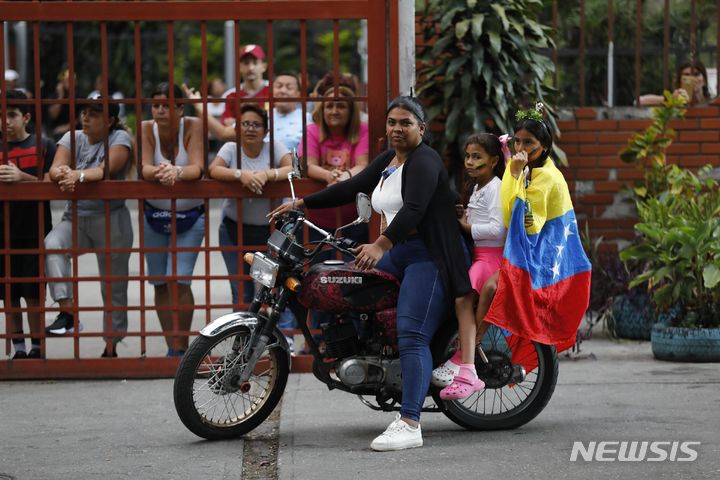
x=567, y=40
x=482, y=61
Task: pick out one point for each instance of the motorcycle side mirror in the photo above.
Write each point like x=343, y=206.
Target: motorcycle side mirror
x=295, y=164
x=294, y=173
x=364, y=211
x=364, y=207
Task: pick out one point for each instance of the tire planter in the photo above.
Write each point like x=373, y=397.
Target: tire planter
x=680, y=344
x=632, y=317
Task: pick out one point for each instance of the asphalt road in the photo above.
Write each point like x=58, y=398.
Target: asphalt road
x=128, y=429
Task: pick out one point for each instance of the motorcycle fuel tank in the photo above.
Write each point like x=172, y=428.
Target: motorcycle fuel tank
x=336, y=287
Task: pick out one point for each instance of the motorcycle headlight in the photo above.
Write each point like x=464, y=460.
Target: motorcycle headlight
x=264, y=270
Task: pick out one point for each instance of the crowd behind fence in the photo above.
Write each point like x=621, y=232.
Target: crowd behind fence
x=120, y=174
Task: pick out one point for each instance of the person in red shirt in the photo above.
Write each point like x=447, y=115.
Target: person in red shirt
x=25, y=162
x=251, y=68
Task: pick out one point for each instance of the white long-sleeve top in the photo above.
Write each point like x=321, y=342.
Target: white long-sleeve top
x=485, y=216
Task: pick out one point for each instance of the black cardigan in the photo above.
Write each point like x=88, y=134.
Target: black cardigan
x=428, y=206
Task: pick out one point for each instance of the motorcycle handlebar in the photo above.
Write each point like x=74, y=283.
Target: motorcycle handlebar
x=349, y=243
x=342, y=244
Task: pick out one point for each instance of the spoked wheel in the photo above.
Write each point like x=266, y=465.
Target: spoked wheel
x=519, y=381
x=209, y=397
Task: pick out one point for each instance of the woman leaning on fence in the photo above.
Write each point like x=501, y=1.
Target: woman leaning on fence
x=253, y=166
x=163, y=137
x=70, y=172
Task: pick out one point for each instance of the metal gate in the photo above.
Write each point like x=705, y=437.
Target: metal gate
x=81, y=358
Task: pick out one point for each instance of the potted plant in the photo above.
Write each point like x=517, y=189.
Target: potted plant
x=678, y=243
x=629, y=311
x=625, y=312
x=679, y=246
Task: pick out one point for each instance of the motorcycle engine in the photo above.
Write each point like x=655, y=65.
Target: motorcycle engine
x=341, y=339
x=371, y=370
x=354, y=366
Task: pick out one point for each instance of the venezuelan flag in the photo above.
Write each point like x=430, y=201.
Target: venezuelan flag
x=544, y=283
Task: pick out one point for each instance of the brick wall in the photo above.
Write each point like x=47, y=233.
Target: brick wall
x=596, y=174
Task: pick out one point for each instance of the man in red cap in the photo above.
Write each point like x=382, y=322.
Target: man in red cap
x=252, y=66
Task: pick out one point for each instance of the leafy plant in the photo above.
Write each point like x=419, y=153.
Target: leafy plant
x=610, y=276
x=610, y=294
x=483, y=60
x=679, y=244
x=647, y=149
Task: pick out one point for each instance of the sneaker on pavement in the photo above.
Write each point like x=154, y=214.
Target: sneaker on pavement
x=35, y=353
x=20, y=355
x=63, y=324
x=398, y=436
x=112, y=354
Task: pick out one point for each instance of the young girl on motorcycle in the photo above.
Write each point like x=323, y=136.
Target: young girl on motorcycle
x=551, y=314
x=485, y=156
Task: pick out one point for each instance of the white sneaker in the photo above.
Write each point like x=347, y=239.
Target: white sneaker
x=398, y=436
x=444, y=375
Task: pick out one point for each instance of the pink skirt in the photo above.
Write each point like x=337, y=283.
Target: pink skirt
x=486, y=262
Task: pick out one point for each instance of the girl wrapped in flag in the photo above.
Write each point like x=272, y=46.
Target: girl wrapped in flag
x=542, y=289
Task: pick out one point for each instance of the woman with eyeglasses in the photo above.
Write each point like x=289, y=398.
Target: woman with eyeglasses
x=421, y=245
x=171, y=135
x=253, y=170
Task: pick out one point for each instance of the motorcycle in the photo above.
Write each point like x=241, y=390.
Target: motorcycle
x=234, y=373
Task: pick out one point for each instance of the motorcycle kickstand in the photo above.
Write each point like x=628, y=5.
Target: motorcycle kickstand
x=482, y=355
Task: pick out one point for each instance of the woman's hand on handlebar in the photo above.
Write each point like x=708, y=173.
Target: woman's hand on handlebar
x=367, y=256
x=286, y=207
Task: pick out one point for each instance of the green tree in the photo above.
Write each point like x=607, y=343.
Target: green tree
x=482, y=61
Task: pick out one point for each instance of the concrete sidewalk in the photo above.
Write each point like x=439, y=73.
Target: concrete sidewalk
x=129, y=429
x=621, y=394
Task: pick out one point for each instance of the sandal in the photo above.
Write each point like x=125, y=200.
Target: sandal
x=461, y=388
x=443, y=375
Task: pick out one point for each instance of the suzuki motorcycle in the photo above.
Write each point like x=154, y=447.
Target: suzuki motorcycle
x=235, y=372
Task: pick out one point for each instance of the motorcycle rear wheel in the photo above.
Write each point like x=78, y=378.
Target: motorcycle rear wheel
x=213, y=406
x=500, y=407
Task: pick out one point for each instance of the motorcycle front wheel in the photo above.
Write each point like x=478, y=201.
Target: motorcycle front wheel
x=210, y=400
x=510, y=399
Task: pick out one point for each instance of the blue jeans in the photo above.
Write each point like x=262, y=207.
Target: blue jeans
x=160, y=263
x=422, y=307
x=251, y=235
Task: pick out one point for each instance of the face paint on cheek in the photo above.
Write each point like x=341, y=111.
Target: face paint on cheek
x=531, y=152
x=475, y=165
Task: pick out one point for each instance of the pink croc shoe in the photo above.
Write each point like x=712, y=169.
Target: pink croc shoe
x=461, y=387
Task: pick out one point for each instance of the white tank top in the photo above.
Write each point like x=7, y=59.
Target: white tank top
x=387, y=196
x=181, y=160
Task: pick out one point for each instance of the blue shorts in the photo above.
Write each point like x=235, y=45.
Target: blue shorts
x=160, y=263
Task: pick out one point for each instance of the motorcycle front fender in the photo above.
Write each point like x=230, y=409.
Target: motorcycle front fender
x=220, y=324
x=246, y=319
